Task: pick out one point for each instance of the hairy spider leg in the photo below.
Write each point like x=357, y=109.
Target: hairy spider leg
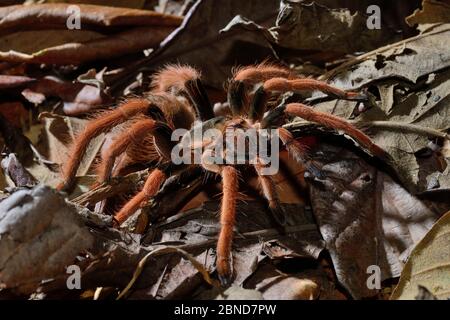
x=270, y=193
x=243, y=80
x=284, y=85
x=151, y=187
x=261, y=73
x=95, y=127
x=334, y=122
x=227, y=221
x=187, y=81
x=299, y=152
x=131, y=136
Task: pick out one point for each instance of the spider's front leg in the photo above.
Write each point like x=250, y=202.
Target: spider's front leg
x=187, y=82
x=227, y=221
x=285, y=85
x=94, y=128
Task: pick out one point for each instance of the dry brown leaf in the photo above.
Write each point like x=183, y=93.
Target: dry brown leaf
x=213, y=53
x=39, y=236
x=29, y=42
x=134, y=40
x=365, y=218
x=135, y=30
x=289, y=288
x=302, y=282
x=54, y=16
x=238, y=293
x=413, y=83
x=135, y=4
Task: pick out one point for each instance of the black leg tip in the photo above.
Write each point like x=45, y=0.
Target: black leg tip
x=225, y=280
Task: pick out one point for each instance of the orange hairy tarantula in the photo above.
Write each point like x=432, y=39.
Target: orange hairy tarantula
x=179, y=100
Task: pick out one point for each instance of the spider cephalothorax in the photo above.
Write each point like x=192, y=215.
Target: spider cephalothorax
x=178, y=100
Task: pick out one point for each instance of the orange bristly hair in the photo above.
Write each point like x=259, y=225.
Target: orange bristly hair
x=227, y=219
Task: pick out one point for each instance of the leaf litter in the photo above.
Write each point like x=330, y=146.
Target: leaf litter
x=363, y=213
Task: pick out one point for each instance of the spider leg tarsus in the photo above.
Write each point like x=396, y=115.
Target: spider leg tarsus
x=225, y=279
x=236, y=92
x=258, y=106
x=199, y=98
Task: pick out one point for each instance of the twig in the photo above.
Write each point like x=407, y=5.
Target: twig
x=247, y=236
x=161, y=251
x=116, y=186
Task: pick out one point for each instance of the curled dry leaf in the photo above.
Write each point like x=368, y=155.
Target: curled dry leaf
x=134, y=40
x=238, y=293
x=308, y=26
x=428, y=265
x=304, y=282
x=289, y=288
x=54, y=15
x=134, y=4
x=140, y=29
x=39, y=236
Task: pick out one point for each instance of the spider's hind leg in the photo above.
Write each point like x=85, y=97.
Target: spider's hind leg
x=300, y=153
x=271, y=195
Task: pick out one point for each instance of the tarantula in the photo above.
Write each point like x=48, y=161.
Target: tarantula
x=178, y=100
